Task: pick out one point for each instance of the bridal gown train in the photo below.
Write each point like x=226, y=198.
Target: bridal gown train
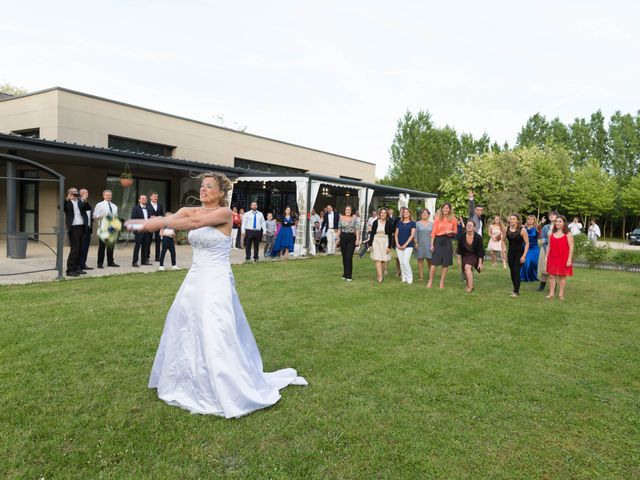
x=208, y=361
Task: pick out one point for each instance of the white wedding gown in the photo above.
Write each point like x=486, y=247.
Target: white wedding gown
x=208, y=361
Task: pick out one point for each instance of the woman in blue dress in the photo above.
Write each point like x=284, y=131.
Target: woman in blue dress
x=284, y=240
x=529, y=270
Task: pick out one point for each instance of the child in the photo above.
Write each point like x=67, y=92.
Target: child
x=317, y=237
x=167, y=235
x=269, y=235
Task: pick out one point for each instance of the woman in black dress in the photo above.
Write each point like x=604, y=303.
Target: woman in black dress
x=471, y=250
x=518, y=247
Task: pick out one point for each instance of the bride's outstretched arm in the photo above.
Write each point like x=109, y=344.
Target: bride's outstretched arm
x=187, y=218
x=195, y=218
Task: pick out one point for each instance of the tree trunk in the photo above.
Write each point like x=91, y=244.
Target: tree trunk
x=604, y=228
x=624, y=218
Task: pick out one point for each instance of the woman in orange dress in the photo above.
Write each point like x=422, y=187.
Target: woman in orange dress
x=445, y=228
x=559, y=257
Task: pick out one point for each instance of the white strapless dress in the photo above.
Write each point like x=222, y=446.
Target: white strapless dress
x=208, y=361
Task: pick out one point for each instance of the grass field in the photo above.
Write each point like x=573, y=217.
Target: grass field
x=404, y=382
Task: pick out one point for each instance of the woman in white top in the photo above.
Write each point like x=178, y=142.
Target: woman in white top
x=594, y=231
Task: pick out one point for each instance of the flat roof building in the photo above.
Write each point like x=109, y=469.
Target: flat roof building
x=92, y=141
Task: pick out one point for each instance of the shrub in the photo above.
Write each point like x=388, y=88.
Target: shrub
x=580, y=245
x=626, y=257
x=594, y=254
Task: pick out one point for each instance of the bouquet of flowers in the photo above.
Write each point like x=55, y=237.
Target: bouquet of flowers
x=109, y=228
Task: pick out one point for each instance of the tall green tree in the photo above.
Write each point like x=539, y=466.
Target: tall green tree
x=580, y=142
x=624, y=141
x=548, y=173
x=536, y=132
x=630, y=198
x=421, y=154
x=558, y=133
x=498, y=180
x=592, y=192
x=599, y=149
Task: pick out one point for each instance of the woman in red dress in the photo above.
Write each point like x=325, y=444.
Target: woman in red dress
x=559, y=256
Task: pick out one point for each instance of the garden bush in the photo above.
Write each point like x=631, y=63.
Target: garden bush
x=626, y=257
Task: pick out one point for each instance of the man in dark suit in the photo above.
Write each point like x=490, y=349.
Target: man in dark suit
x=330, y=224
x=394, y=224
x=143, y=239
x=88, y=230
x=155, y=210
x=76, y=221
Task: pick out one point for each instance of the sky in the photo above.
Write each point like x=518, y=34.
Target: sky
x=335, y=75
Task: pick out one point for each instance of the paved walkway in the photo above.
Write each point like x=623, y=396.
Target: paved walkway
x=620, y=246
x=39, y=257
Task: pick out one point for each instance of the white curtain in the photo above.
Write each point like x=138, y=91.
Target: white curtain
x=364, y=200
x=430, y=204
x=403, y=200
x=302, y=188
x=314, y=185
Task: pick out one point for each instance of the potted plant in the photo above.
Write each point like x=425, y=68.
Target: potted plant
x=126, y=178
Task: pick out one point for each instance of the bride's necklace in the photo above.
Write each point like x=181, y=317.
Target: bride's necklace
x=211, y=208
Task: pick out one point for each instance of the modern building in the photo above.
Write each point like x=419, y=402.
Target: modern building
x=93, y=141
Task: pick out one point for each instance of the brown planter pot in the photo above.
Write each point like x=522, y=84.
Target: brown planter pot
x=126, y=182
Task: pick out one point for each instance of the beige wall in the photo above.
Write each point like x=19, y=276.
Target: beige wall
x=72, y=117
x=34, y=111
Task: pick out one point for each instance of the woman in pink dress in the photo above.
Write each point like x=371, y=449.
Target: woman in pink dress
x=559, y=256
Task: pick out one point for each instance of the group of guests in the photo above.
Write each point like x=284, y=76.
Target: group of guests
x=250, y=228
x=81, y=217
x=432, y=241
x=164, y=239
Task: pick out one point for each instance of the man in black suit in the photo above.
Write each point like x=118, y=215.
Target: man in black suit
x=330, y=224
x=76, y=221
x=394, y=223
x=143, y=239
x=155, y=210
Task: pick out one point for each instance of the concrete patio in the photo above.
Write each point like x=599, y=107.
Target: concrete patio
x=39, y=257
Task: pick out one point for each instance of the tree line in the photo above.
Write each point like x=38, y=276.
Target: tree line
x=588, y=168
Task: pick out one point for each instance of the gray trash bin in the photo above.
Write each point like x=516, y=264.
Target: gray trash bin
x=17, y=243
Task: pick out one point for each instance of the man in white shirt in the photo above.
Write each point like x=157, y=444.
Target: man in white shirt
x=575, y=227
x=330, y=226
x=371, y=219
x=103, y=208
x=252, y=227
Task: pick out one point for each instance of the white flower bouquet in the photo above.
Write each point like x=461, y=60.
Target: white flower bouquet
x=109, y=228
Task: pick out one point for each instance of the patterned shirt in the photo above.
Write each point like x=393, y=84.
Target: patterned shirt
x=349, y=226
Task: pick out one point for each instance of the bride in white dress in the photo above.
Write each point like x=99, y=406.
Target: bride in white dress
x=208, y=361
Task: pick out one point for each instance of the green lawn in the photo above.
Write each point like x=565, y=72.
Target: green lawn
x=404, y=382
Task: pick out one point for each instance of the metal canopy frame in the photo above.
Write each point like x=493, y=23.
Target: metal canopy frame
x=12, y=180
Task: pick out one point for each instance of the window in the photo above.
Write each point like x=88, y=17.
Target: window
x=29, y=133
x=138, y=146
x=29, y=193
x=126, y=198
x=264, y=167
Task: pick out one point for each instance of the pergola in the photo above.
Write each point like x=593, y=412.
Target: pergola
x=307, y=188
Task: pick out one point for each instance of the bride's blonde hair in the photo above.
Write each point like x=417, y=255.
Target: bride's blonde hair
x=223, y=183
